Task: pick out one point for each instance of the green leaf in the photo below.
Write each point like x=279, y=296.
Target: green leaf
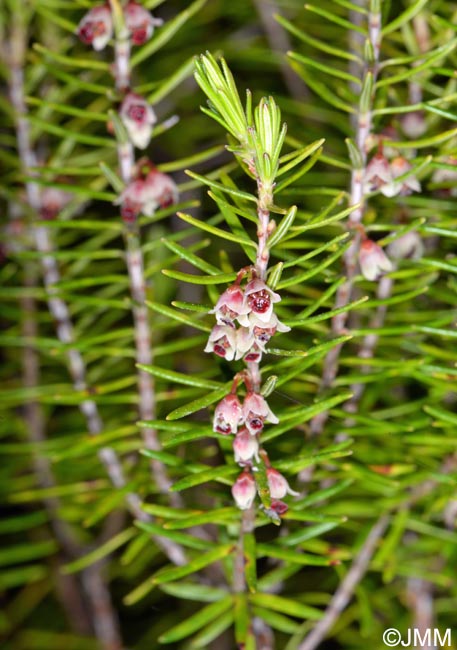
x=283, y=227
x=214, y=474
x=198, y=404
x=168, y=575
x=197, y=621
x=242, y=618
x=286, y=606
x=101, y=551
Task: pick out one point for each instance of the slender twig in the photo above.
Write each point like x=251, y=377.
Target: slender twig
x=57, y=306
x=343, y=297
x=345, y=591
x=135, y=266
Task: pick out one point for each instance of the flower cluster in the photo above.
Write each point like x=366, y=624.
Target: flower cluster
x=252, y=309
x=383, y=175
x=148, y=191
x=245, y=323
x=96, y=27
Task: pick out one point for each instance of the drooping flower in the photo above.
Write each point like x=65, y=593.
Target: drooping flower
x=260, y=299
x=408, y=245
x=222, y=341
x=377, y=174
x=264, y=330
x=146, y=195
x=230, y=306
x=244, y=341
x=96, y=27
x=139, y=22
x=244, y=490
x=372, y=260
x=139, y=118
x=278, y=485
x=255, y=412
x=245, y=447
x=132, y=200
x=414, y=124
x=398, y=167
x=52, y=201
x=228, y=415
x=447, y=178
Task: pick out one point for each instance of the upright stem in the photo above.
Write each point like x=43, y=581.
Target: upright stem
x=135, y=265
x=56, y=305
x=345, y=591
x=363, y=128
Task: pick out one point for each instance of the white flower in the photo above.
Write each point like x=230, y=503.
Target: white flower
x=373, y=261
x=260, y=299
x=96, y=27
x=244, y=490
x=222, y=341
x=398, y=167
x=408, y=245
x=138, y=118
x=377, y=174
x=278, y=485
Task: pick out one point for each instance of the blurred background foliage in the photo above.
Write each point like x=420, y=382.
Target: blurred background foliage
x=402, y=435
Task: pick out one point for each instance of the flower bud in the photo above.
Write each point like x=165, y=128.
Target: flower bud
x=228, y=415
x=222, y=341
x=244, y=490
x=373, y=261
x=139, y=22
x=278, y=485
x=96, y=27
x=245, y=447
x=138, y=118
x=255, y=412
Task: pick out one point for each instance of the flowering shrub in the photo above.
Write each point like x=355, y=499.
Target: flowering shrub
x=228, y=373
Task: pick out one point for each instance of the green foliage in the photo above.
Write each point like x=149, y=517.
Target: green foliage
x=388, y=443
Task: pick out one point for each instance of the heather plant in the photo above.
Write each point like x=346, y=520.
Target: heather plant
x=228, y=378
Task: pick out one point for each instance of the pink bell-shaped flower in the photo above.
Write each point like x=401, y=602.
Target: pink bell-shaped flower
x=255, y=412
x=373, y=261
x=228, y=415
x=96, y=27
x=230, y=305
x=378, y=175
x=408, y=246
x=139, y=22
x=278, y=485
x=222, y=341
x=398, y=167
x=138, y=118
x=245, y=446
x=244, y=490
